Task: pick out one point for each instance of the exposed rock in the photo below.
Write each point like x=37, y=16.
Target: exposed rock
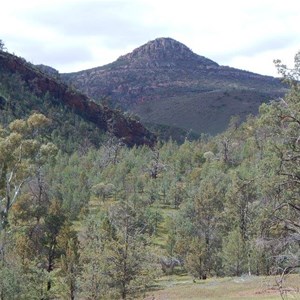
x=130, y=131
x=164, y=52
x=48, y=70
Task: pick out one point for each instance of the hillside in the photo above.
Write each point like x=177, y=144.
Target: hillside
x=81, y=220
x=45, y=93
x=164, y=82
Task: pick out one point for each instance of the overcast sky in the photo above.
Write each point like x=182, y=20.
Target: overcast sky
x=72, y=35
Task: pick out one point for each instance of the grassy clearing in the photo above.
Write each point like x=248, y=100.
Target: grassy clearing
x=246, y=288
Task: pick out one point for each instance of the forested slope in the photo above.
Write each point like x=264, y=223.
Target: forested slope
x=104, y=223
x=25, y=88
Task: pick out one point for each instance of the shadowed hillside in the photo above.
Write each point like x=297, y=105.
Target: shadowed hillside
x=42, y=84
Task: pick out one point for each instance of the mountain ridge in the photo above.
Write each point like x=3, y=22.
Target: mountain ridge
x=155, y=78
x=41, y=83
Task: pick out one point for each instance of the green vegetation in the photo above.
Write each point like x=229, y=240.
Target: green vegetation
x=99, y=220
x=209, y=112
x=66, y=129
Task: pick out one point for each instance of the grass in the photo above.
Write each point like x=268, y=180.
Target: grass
x=245, y=287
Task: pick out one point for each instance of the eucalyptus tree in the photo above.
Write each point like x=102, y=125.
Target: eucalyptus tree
x=282, y=120
x=22, y=154
x=21, y=151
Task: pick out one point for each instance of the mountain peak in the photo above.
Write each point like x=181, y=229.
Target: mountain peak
x=164, y=51
x=166, y=83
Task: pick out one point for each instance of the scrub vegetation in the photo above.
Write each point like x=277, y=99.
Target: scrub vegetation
x=83, y=216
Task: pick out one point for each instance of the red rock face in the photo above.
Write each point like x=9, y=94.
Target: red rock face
x=130, y=131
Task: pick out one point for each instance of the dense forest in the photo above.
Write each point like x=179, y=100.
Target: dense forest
x=83, y=216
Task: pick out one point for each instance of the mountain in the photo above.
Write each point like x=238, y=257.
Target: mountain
x=24, y=87
x=165, y=83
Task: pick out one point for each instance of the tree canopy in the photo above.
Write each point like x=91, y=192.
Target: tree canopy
x=106, y=221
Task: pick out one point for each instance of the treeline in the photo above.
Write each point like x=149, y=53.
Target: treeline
x=100, y=222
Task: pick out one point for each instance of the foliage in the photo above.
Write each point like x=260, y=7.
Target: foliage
x=102, y=222
x=66, y=129
x=2, y=45
x=117, y=260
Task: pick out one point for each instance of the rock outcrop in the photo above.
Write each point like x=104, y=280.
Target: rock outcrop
x=132, y=132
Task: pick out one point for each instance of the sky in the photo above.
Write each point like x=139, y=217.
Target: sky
x=74, y=35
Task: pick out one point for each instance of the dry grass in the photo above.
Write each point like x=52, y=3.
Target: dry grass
x=246, y=288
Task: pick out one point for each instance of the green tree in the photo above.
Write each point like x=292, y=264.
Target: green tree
x=233, y=254
x=103, y=190
x=281, y=119
x=20, y=154
x=69, y=263
x=117, y=258
x=130, y=258
x=196, y=259
x=2, y=46
x=199, y=225
x=93, y=282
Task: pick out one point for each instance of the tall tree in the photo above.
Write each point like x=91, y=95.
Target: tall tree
x=117, y=257
x=282, y=119
x=22, y=154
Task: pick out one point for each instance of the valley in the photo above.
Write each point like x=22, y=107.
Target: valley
x=94, y=205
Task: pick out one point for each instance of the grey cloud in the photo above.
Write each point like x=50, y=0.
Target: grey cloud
x=67, y=55
x=52, y=55
x=112, y=21
x=263, y=45
x=269, y=43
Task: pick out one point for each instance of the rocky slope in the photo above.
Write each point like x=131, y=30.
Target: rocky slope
x=164, y=82
x=129, y=130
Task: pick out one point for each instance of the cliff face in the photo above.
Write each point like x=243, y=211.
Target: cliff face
x=130, y=131
x=164, y=82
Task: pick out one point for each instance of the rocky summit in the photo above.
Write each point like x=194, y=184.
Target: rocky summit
x=166, y=83
x=164, y=52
